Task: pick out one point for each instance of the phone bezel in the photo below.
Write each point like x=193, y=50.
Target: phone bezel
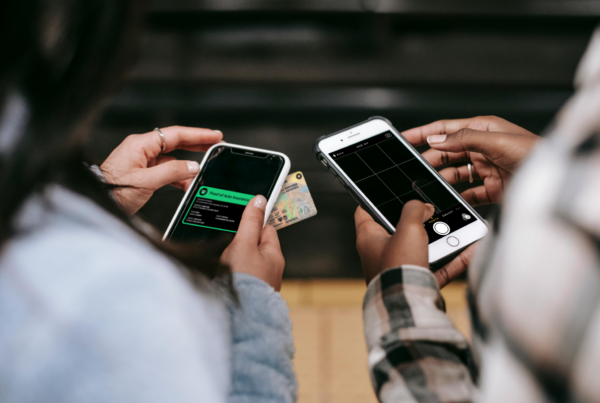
x=437, y=250
x=270, y=202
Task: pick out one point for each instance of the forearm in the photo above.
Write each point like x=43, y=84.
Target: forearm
x=263, y=347
x=415, y=352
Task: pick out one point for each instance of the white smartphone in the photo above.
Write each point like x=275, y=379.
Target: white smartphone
x=382, y=171
x=230, y=175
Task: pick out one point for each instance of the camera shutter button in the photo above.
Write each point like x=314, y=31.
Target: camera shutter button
x=441, y=228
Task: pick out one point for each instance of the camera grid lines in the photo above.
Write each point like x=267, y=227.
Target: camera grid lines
x=398, y=166
x=387, y=169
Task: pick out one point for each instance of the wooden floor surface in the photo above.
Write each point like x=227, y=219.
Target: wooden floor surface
x=331, y=357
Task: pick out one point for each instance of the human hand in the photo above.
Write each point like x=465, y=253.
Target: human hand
x=140, y=166
x=380, y=251
x=445, y=274
x=494, y=146
x=254, y=250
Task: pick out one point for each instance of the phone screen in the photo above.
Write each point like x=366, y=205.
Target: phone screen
x=390, y=175
x=229, y=179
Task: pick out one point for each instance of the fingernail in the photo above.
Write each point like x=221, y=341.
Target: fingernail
x=437, y=138
x=217, y=131
x=193, y=167
x=260, y=202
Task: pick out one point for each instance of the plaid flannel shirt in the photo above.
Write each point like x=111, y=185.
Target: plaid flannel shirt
x=533, y=292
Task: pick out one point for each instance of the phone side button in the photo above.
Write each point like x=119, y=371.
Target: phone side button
x=453, y=241
x=353, y=195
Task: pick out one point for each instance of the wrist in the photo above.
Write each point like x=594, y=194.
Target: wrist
x=399, y=267
x=370, y=274
x=260, y=275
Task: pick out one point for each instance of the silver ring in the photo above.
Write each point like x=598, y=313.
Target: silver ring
x=470, y=168
x=162, y=137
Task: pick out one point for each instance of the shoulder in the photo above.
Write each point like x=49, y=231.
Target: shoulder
x=90, y=284
x=71, y=257
x=77, y=252
x=86, y=301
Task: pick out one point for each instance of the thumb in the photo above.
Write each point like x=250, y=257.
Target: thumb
x=252, y=222
x=409, y=244
x=470, y=140
x=167, y=173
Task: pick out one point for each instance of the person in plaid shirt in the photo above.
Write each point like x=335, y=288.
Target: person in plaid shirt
x=534, y=282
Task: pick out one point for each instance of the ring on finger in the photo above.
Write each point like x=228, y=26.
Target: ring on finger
x=470, y=168
x=162, y=137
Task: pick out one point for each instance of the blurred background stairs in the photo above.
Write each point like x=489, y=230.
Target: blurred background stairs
x=280, y=73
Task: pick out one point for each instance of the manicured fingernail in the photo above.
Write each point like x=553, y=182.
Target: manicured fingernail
x=438, y=138
x=193, y=167
x=260, y=202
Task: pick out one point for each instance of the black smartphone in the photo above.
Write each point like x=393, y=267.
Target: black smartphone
x=382, y=171
x=230, y=175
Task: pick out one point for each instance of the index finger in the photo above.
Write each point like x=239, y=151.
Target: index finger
x=456, y=267
x=186, y=138
x=418, y=135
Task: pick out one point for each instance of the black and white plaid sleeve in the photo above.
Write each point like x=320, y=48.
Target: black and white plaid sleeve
x=415, y=352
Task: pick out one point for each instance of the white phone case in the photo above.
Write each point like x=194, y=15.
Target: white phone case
x=270, y=203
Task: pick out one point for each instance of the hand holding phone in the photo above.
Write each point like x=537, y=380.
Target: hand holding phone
x=254, y=250
x=495, y=147
x=379, y=250
x=383, y=172
x=230, y=176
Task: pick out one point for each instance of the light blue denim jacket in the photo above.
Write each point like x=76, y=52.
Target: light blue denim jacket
x=90, y=312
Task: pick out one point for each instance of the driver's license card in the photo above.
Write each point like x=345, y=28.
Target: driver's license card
x=294, y=203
